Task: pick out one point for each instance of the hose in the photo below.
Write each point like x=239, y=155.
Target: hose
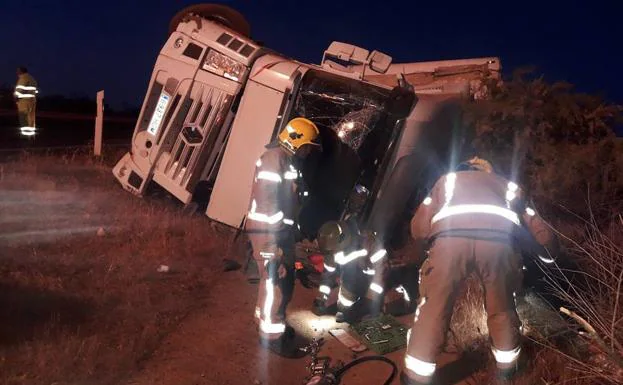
x=361, y=360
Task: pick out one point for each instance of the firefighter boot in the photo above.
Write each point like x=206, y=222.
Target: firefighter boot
x=288, y=345
x=354, y=313
x=508, y=372
x=508, y=375
x=321, y=307
x=405, y=380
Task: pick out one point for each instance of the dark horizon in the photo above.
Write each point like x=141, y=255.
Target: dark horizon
x=79, y=48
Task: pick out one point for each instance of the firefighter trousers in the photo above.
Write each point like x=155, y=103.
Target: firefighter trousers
x=353, y=285
x=26, y=112
x=450, y=261
x=274, y=293
x=328, y=282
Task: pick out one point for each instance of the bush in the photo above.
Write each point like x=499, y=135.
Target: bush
x=552, y=140
x=593, y=293
x=560, y=145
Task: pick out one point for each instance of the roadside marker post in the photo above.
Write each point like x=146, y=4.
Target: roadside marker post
x=99, y=120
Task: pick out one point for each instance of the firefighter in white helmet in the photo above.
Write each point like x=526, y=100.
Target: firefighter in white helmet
x=270, y=226
x=25, y=96
x=472, y=220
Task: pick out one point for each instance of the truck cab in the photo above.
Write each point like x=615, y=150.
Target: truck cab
x=216, y=98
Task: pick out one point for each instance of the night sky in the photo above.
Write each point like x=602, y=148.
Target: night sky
x=78, y=47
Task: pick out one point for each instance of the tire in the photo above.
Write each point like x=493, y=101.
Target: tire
x=221, y=14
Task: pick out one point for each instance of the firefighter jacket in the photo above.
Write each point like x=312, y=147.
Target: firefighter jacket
x=274, y=198
x=26, y=88
x=477, y=204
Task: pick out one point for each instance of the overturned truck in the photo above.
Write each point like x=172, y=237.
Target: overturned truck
x=216, y=98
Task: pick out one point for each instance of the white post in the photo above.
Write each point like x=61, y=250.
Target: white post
x=99, y=120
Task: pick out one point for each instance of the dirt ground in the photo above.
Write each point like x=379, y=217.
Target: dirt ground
x=82, y=300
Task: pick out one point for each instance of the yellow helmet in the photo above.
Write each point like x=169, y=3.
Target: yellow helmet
x=478, y=164
x=297, y=133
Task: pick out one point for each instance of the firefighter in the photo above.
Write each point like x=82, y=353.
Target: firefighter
x=476, y=220
x=270, y=226
x=331, y=238
x=26, y=100
x=358, y=262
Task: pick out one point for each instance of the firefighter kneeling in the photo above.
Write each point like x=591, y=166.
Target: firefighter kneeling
x=359, y=263
x=271, y=227
x=473, y=220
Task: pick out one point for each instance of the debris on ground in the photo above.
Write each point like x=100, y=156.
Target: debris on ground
x=101, y=232
x=163, y=269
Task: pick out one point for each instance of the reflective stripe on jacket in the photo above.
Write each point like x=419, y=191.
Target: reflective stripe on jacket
x=473, y=201
x=26, y=87
x=273, y=196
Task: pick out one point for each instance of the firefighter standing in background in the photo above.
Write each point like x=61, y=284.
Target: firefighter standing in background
x=270, y=226
x=472, y=220
x=26, y=99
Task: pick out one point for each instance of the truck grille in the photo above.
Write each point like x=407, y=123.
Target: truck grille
x=198, y=131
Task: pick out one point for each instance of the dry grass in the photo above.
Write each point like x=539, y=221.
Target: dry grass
x=592, y=288
x=75, y=306
x=78, y=308
x=549, y=349
x=559, y=349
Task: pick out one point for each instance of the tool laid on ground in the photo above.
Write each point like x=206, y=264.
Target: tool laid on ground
x=321, y=372
x=319, y=367
x=383, y=334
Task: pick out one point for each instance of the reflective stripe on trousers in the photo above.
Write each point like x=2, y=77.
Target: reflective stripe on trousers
x=419, y=370
x=273, y=296
x=506, y=358
x=375, y=290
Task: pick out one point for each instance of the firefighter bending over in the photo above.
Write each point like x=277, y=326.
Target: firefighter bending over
x=270, y=226
x=358, y=261
x=26, y=99
x=472, y=220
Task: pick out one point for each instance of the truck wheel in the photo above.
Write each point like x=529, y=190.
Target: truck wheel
x=221, y=14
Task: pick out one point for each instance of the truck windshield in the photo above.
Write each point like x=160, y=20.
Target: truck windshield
x=349, y=108
x=351, y=118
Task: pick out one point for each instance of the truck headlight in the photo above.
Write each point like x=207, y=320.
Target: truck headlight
x=223, y=65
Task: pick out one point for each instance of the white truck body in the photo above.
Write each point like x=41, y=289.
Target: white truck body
x=216, y=98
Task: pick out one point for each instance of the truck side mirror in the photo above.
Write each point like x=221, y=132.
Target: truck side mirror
x=347, y=53
x=379, y=61
x=401, y=101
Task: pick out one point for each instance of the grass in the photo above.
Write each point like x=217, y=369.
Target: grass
x=583, y=349
x=76, y=306
x=592, y=290
x=81, y=308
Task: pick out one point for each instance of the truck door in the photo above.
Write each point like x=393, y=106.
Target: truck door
x=251, y=131
x=263, y=106
x=424, y=150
